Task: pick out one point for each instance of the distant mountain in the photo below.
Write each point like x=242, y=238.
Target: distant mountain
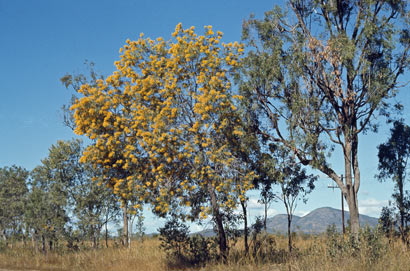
x=205, y=233
x=316, y=221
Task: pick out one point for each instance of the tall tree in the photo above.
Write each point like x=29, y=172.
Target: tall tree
x=268, y=178
x=63, y=196
x=320, y=72
x=13, y=192
x=394, y=163
x=47, y=211
x=266, y=198
x=94, y=204
x=294, y=185
x=162, y=118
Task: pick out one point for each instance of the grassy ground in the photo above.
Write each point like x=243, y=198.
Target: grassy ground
x=312, y=253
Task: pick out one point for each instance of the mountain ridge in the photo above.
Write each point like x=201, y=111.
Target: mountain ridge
x=315, y=222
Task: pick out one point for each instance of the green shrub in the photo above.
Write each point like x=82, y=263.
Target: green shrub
x=184, y=249
x=174, y=238
x=369, y=245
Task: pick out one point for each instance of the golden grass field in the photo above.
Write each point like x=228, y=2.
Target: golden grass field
x=312, y=254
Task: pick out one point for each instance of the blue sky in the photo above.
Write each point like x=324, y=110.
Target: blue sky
x=43, y=40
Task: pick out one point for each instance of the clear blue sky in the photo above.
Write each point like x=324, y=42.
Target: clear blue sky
x=43, y=40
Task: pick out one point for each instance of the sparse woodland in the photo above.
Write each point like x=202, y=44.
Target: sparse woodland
x=189, y=125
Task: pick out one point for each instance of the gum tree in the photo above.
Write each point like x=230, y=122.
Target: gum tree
x=13, y=201
x=394, y=163
x=320, y=72
x=294, y=184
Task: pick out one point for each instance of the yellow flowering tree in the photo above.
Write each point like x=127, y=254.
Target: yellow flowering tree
x=108, y=149
x=164, y=120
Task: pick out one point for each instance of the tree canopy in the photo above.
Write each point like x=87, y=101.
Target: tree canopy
x=163, y=120
x=320, y=72
x=394, y=162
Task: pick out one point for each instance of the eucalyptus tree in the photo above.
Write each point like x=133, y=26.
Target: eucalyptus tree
x=94, y=204
x=394, y=164
x=319, y=72
x=47, y=211
x=13, y=193
x=66, y=194
x=294, y=185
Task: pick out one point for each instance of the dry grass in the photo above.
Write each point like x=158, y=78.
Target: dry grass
x=141, y=256
x=312, y=254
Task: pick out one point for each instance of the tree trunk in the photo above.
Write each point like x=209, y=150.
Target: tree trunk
x=289, y=211
x=25, y=235
x=125, y=224
x=354, y=212
x=245, y=221
x=43, y=244
x=3, y=234
x=351, y=188
x=106, y=234
x=93, y=237
x=401, y=208
x=99, y=227
x=94, y=241
x=130, y=233
x=289, y=233
x=219, y=223
x=33, y=242
x=266, y=215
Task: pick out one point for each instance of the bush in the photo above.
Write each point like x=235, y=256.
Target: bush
x=184, y=249
x=369, y=245
x=263, y=246
x=201, y=250
x=174, y=238
x=387, y=221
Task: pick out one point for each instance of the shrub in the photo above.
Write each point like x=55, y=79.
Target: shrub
x=184, y=249
x=369, y=245
x=174, y=237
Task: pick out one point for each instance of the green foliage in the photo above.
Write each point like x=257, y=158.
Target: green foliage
x=63, y=197
x=370, y=245
x=47, y=213
x=174, y=236
x=318, y=73
x=395, y=153
x=257, y=227
x=293, y=181
x=387, y=221
x=201, y=250
x=394, y=158
x=140, y=226
x=13, y=201
x=263, y=246
x=184, y=249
